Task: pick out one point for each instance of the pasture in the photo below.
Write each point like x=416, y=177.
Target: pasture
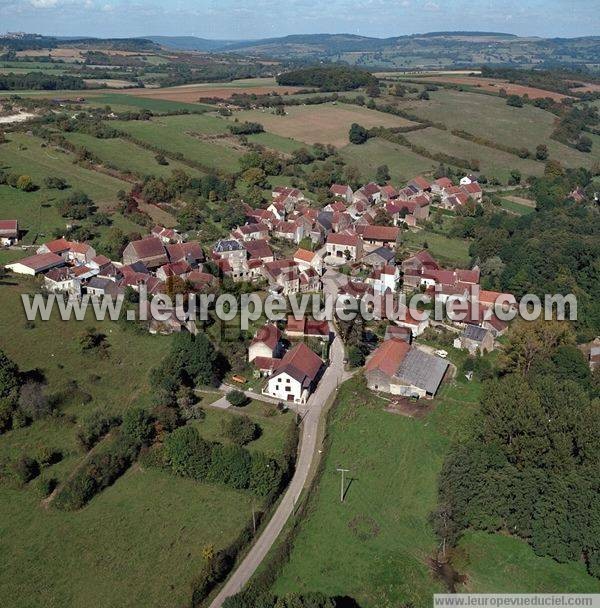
x=127, y=156
x=489, y=117
x=391, y=489
x=193, y=136
x=402, y=162
x=493, y=163
x=141, y=539
x=492, y=85
x=323, y=123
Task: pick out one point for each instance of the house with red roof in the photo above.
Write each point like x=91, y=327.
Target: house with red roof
x=36, y=264
x=344, y=245
x=251, y=232
x=296, y=376
x=266, y=343
x=341, y=191
x=259, y=250
x=381, y=235
x=419, y=183
x=9, y=232
x=307, y=328
x=308, y=259
x=398, y=368
x=151, y=251
x=71, y=251
x=166, y=235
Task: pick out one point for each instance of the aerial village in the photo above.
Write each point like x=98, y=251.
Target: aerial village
x=343, y=244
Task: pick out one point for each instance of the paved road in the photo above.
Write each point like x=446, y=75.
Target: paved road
x=332, y=377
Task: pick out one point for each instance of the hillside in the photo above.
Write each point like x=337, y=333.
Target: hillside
x=429, y=50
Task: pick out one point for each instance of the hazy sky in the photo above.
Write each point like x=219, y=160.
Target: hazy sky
x=266, y=18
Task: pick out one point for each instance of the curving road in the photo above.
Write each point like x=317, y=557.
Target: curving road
x=333, y=376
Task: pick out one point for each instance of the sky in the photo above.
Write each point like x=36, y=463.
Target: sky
x=247, y=19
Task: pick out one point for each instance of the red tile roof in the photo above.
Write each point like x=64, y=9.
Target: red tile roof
x=443, y=182
x=40, y=261
x=8, y=227
x=388, y=357
x=304, y=255
x=339, y=189
x=258, y=249
x=339, y=238
x=381, y=233
x=268, y=334
x=420, y=182
x=149, y=247
x=301, y=364
x=58, y=245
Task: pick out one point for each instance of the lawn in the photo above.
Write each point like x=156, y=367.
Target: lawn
x=374, y=547
x=489, y=117
x=138, y=543
x=493, y=163
x=127, y=156
x=324, y=123
x=183, y=135
x=402, y=162
x=515, y=207
x=273, y=425
x=445, y=249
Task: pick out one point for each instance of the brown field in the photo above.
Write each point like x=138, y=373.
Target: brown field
x=325, y=123
x=494, y=85
x=62, y=53
x=588, y=87
x=191, y=93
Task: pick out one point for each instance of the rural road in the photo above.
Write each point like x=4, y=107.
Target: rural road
x=333, y=376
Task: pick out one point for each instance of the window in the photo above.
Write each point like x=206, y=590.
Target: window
x=288, y=389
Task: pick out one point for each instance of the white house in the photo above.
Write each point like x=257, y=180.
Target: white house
x=308, y=259
x=9, y=232
x=296, y=376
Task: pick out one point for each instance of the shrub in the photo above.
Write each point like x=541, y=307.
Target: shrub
x=266, y=475
x=46, y=485
x=33, y=403
x=241, y=429
x=25, y=469
x=95, y=426
x=138, y=426
x=237, y=398
x=230, y=466
x=187, y=453
x=100, y=471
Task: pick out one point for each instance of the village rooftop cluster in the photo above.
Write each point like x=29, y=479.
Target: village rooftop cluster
x=346, y=252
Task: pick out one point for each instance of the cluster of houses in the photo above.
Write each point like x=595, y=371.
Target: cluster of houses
x=345, y=231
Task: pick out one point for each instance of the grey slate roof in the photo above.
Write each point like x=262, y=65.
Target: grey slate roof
x=475, y=333
x=422, y=370
x=384, y=252
x=227, y=245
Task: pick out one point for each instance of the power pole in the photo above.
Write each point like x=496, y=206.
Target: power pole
x=342, y=471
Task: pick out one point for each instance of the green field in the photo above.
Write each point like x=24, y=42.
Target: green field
x=516, y=207
x=126, y=100
x=276, y=142
x=493, y=163
x=489, y=117
x=36, y=213
x=374, y=547
x=447, y=250
x=127, y=156
x=174, y=135
x=138, y=543
x=500, y=564
x=402, y=162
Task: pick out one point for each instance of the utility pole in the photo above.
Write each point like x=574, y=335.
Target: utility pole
x=342, y=471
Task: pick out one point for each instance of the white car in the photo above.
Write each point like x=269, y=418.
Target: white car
x=441, y=353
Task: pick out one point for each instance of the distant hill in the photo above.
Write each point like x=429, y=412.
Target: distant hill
x=428, y=50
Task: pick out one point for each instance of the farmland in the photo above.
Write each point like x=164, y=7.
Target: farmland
x=190, y=93
x=493, y=163
x=489, y=117
x=35, y=211
x=492, y=85
x=324, y=123
x=402, y=162
x=177, y=135
x=126, y=156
